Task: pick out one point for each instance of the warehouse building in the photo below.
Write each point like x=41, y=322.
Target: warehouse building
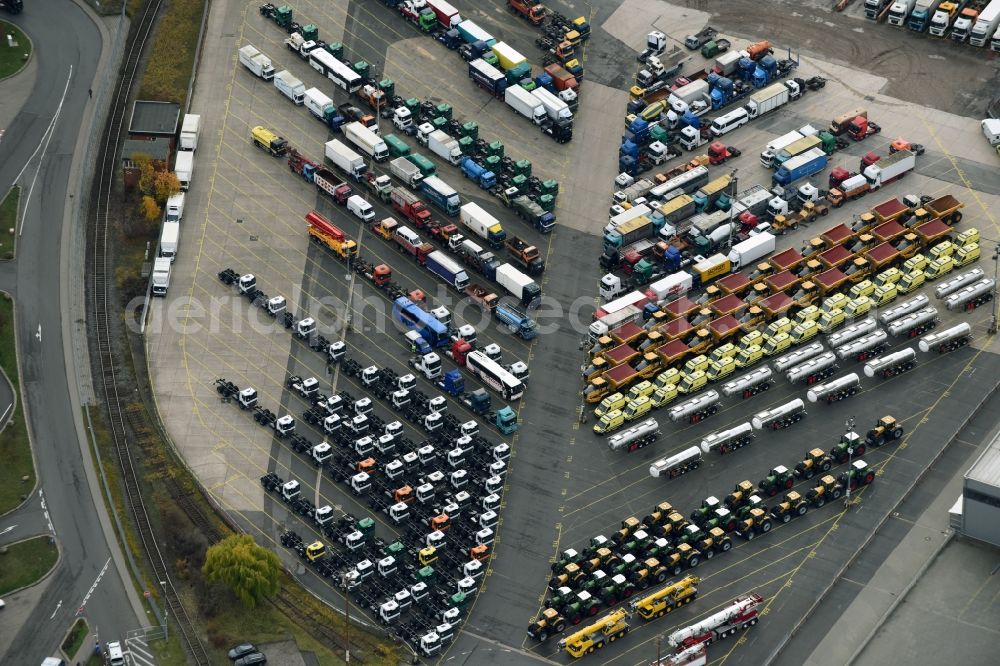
x=981, y=496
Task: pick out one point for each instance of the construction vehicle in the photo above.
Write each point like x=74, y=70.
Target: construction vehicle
x=793, y=504
x=778, y=478
x=886, y=430
x=323, y=232
x=549, y=623
x=828, y=488
x=859, y=474
x=593, y=637
x=268, y=141
x=741, y=613
x=667, y=598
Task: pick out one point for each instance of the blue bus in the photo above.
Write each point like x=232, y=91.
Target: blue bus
x=415, y=318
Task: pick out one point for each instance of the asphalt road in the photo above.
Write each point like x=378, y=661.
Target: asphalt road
x=63, y=36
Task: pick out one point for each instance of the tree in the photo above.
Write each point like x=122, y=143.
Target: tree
x=247, y=569
x=147, y=174
x=149, y=208
x=165, y=185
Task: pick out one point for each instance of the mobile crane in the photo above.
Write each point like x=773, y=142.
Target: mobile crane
x=609, y=628
x=667, y=598
x=741, y=613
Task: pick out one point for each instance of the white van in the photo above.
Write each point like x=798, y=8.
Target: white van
x=115, y=656
x=727, y=123
x=361, y=208
x=991, y=130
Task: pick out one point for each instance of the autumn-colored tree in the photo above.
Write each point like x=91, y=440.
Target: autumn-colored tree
x=249, y=570
x=147, y=174
x=149, y=208
x=165, y=185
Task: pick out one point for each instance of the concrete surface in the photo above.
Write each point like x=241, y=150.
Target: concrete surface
x=564, y=486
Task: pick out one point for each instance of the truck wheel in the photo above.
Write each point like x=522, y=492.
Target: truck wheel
x=820, y=501
x=709, y=554
x=786, y=517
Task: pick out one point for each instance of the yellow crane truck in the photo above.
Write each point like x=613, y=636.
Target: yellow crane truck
x=608, y=629
x=667, y=598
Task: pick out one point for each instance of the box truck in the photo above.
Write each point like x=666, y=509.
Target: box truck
x=258, y=63
x=184, y=168
x=519, y=285
x=483, y=224
x=161, y=276
x=525, y=103
x=750, y=250
x=345, y=159
x=447, y=269
x=189, y=132
x=170, y=238
x=555, y=108
x=289, y=86
x=368, y=141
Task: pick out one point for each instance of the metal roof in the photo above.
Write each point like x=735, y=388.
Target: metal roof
x=154, y=118
x=158, y=148
x=986, y=469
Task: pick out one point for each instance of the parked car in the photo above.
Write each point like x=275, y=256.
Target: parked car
x=241, y=651
x=252, y=659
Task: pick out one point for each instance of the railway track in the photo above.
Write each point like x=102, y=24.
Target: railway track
x=104, y=313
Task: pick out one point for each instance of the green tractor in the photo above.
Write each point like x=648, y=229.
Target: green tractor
x=858, y=475
x=582, y=605
x=777, y=479
x=706, y=510
x=850, y=444
x=753, y=502
x=723, y=519
x=617, y=589
x=568, y=556
x=691, y=534
x=636, y=544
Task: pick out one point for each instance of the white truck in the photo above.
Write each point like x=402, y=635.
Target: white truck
x=368, y=141
x=175, y=207
x=482, y=224
x=890, y=168
x=693, y=97
x=750, y=250
x=170, y=238
x=258, y=63
x=289, y=86
x=444, y=146
x=899, y=11
x=345, y=159
x=555, y=108
x=525, y=103
x=768, y=99
x=161, y=276
x=985, y=25
x=189, y=132
x=319, y=104
x=408, y=172
x=184, y=168
x=782, y=142
x=518, y=284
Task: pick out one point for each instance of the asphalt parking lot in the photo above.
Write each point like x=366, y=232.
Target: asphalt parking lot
x=246, y=210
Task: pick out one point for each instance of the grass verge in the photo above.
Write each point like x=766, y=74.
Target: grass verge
x=17, y=474
x=12, y=58
x=25, y=562
x=75, y=638
x=8, y=222
x=170, y=61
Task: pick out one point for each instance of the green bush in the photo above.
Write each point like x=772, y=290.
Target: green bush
x=168, y=68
